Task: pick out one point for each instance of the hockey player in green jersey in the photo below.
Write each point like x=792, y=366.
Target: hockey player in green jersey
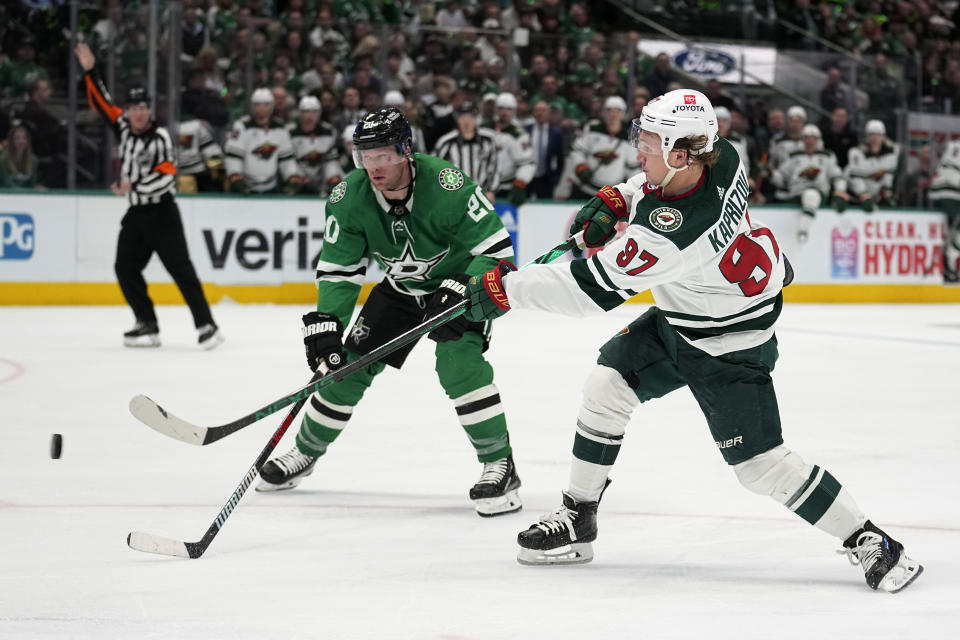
x=429, y=227
x=716, y=276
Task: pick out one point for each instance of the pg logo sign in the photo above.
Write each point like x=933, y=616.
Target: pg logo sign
x=16, y=236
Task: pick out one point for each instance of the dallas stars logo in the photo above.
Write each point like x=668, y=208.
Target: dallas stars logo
x=408, y=266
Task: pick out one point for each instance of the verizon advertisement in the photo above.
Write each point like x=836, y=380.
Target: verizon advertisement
x=235, y=241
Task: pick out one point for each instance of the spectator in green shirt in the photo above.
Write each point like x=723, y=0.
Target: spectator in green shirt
x=18, y=165
x=18, y=74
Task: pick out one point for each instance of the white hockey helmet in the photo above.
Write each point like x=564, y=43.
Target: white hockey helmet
x=796, y=111
x=393, y=98
x=262, y=96
x=810, y=130
x=876, y=126
x=615, y=102
x=309, y=103
x=678, y=114
x=506, y=101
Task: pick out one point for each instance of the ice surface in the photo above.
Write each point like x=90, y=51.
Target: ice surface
x=382, y=542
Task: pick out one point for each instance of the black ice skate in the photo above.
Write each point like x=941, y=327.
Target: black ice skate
x=561, y=537
x=209, y=336
x=143, y=334
x=495, y=493
x=885, y=566
x=285, y=472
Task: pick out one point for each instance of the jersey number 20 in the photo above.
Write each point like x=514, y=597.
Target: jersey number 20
x=744, y=257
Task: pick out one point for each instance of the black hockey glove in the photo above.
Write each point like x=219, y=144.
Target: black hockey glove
x=451, y=291
x=322, y=337
x=598, y=218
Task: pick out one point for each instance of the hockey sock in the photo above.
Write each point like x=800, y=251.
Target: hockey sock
x=481, y=416
x=607, y=404
x=329, y=410
x=468, y=380
x=808, y=490
x=322, y=422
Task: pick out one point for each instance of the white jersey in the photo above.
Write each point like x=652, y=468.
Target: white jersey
x=946, y=181
x=611, y=158
x=196, y=147
x=318, y=155
x=715, y=274
x=804, y=171
x=740, y=144
x=870, y=173
x=516, y=156
x=783, y=148
x=259, y=153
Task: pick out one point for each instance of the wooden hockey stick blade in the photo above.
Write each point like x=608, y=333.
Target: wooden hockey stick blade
x=162, y=421
x=149, y=543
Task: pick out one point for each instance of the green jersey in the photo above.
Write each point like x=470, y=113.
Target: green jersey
x=449, y=227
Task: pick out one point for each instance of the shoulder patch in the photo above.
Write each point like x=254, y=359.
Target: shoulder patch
x=666, y=219
x=450, y=179
x=337, y=193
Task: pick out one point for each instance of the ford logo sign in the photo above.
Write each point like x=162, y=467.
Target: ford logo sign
x=705, y=62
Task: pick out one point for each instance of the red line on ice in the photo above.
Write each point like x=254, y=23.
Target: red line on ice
x=18, y=370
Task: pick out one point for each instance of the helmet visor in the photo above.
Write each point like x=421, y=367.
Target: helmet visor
x=377, y=157
x=637, y=141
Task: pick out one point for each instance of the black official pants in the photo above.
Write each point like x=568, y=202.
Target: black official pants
x=150, y=228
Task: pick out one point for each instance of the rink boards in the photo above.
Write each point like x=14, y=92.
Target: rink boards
x=59, y=249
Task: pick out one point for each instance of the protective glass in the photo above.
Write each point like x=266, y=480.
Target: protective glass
x=377, y=157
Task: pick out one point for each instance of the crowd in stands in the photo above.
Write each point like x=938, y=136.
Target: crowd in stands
x=548, y=80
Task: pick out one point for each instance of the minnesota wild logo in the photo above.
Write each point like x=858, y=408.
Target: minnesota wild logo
x=666, y=219
x=450, y=179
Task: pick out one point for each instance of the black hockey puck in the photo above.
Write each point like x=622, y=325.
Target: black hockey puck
x=56, y=446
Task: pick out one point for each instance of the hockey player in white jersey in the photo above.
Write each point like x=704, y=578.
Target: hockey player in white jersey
x=716, y=276
x=792, y=139
x=809, y=177
x=601, y=154
x=872, y=168
x=726, y=131
x=315, y=146
x=945, y=195
x=517, y=165
x=258, y=148
x=199, y=158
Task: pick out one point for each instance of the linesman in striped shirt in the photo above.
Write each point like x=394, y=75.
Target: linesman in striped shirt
x=152, y=222
x=473, y=149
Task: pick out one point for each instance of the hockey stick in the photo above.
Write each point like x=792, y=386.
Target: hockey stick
x=150, y=543
x=156, y=417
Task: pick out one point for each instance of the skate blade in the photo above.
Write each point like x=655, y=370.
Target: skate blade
x=142, y=342
x=901, y=576
x=501, y=505
x=212, y=342
x=576, y=553
x=266, y=487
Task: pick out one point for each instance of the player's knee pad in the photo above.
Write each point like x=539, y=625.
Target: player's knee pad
x=350, y=390
x=461, y=366
x=778, y=473
x=810, y=200
x=608, y=401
